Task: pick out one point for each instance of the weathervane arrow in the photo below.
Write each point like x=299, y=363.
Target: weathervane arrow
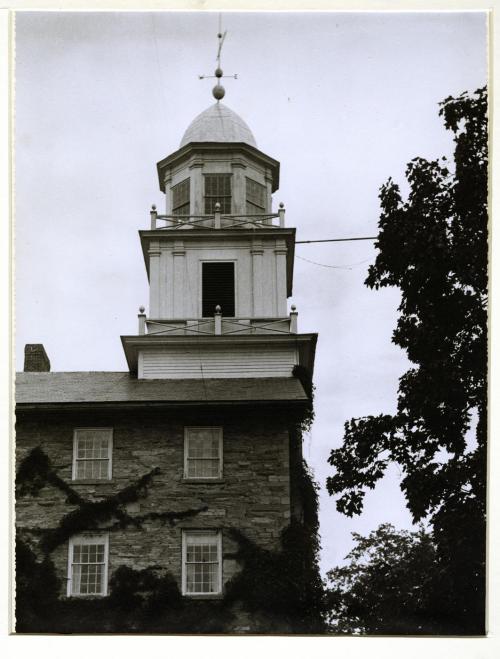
x=218, y=91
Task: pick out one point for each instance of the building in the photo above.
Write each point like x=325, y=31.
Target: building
x=163, y=498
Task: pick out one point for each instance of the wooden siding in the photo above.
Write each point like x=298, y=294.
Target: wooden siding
x=217, y=363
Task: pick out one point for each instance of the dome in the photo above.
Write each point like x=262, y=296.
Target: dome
x=218, y=124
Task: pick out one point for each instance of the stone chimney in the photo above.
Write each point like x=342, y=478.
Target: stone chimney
x=35, y=358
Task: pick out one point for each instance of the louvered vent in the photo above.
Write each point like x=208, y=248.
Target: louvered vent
x=218, y=288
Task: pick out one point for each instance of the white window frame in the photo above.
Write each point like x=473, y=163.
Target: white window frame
x=109, y=431
x=88, y=539
x=187, y=429
x=218, y=535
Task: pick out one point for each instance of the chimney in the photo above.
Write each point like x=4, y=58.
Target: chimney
x=35, y=358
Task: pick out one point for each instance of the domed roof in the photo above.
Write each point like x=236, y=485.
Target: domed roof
x=218, y=124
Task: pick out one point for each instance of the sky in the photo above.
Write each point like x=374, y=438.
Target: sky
x=343, y=100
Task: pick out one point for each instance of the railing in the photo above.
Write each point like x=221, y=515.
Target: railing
x=218, y=325
x=218, y=221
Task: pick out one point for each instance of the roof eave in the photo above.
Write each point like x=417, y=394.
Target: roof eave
x=188, y=149
x=305, y=343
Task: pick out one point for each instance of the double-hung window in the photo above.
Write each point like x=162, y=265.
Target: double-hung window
x=201, y=562
x=217, y=190
x=88, y=565
x=203, y=452
x=92, y=453
x=180, y=198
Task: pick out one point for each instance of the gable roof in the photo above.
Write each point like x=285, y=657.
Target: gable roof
x=54, y=388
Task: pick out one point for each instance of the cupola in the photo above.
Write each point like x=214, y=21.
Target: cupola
x=219, y=261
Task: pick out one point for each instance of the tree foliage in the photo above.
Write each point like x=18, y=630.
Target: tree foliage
x=433, y=246
x=387, y=587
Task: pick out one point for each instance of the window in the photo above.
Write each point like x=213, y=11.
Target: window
x=88, y=565
x=217, y=288
x=203, y=452
x=180, y=198
x=92, y=448
x=217, y=189
x=256, y=197
x=201, y=563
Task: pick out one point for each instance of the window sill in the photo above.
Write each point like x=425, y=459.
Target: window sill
x=91, y=481
x=202, y=481
x=85, y=597
x=207, y=596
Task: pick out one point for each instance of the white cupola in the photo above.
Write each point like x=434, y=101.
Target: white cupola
x=219, y=262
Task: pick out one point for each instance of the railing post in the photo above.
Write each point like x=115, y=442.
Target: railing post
x=142, y=321
x=154, y=215
x=217, y=216
x=281, y=214
x=293, y=320
x=218, y=321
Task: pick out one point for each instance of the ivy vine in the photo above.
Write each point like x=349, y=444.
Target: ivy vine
x=282, y=584
x=36, y=471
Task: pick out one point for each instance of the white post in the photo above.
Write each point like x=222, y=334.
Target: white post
x=293, y=320
x=217, y=216
x=142, y=321
x=218, y=321
x=281, y=214
x=153, y=215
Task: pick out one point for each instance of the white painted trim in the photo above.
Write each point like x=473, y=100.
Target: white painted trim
x=218, y=534
x=221, y=445
x=110, y=451
x=88, y=539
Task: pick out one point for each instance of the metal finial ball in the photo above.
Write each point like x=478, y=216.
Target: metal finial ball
x=153, y=207
x=218, y=91
x=218, y=309
x=217, y=206
x=282, y=205
x=294, y=308
x=142, y=309
x=219, y=72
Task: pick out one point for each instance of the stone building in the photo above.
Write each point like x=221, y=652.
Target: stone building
x=171, y=467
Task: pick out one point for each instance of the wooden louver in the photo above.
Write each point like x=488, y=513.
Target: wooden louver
x=218, y=288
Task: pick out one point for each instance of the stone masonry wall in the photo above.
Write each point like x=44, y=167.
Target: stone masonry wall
x=253, y=496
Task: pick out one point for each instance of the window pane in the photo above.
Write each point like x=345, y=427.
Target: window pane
x=92, y=453
x=202, y=563
x=88, y=569
x=203, y=453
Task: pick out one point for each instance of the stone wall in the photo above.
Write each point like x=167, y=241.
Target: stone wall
x=253, y=496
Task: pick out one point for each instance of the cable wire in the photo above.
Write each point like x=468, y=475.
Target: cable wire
x=336, y=267
x=334, y=240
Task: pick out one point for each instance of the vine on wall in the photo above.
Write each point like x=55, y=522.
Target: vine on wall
x=282, y=585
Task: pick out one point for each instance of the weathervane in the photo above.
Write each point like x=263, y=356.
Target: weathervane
x=218, y=91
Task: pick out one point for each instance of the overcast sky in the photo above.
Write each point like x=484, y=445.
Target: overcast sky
x=342, y=100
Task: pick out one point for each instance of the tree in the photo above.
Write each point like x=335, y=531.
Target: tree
x=433, y=246
x=387, y=586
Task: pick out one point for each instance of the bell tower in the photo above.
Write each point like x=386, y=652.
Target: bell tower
x=219, y=262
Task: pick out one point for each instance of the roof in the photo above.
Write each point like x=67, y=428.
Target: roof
x=111, y=387
x=218, y=124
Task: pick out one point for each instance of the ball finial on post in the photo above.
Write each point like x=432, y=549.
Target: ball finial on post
x=281, y=214
x=218, y=320
x=142, y=321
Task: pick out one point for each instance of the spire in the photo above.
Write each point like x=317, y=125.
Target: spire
x=218, y=91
